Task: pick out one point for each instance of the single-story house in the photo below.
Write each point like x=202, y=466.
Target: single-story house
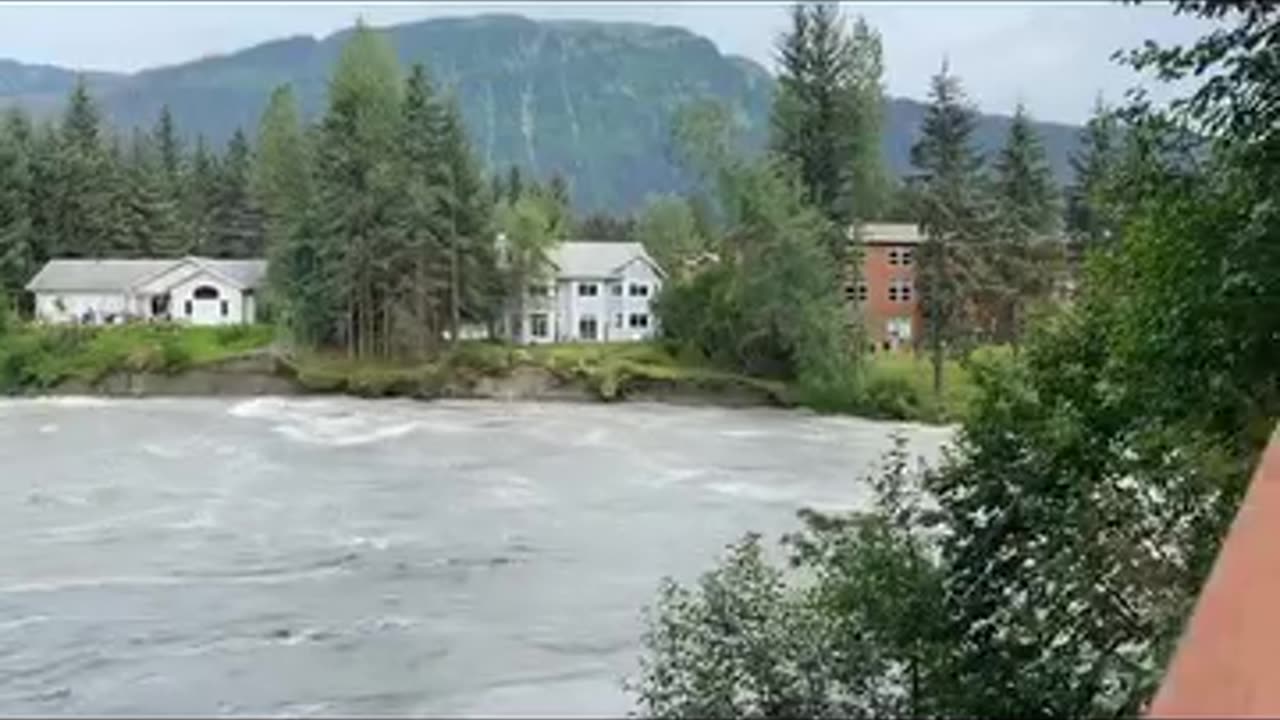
x=195, y=290
x=595, y=291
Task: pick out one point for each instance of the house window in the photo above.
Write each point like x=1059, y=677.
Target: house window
x=638, y=290
x=538, y=325
x=616, y=289
x=617, y=320
x=587, y=328
x=638, y=321
x=900, y=290
x=588, y=289
x=226, y=308
x=539, y=291
x=205, y=292
x=186, y=307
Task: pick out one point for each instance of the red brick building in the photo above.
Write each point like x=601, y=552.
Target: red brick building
x=885, y=290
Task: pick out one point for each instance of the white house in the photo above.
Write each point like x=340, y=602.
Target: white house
x=199, y=291
x=598, y=291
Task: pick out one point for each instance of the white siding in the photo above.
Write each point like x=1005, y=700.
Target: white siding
x=206, y=312
x=68, y=307
x=566, y=308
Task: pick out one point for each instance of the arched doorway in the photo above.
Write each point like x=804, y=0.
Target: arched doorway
x=205, y=305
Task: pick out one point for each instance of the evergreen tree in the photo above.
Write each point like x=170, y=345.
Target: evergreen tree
x=360, y=198
x=952, y=210
x=237, y=223
x=868, y=183
x=475, y=284
x=198, y=190
x=82, y=193
x=515, y=186
x=1028, y=211
x=828, y=112
x=1090, y=214
x=559, y=189
x=431, y=199
x=18, y=251
x=168, y=149
x=300, y=267
x=150, y=213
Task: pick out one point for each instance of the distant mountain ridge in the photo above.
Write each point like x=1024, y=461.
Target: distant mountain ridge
x=592, y=100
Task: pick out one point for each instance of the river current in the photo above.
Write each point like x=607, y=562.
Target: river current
x=341, y=556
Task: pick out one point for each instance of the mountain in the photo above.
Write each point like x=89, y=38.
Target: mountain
x=591, y=100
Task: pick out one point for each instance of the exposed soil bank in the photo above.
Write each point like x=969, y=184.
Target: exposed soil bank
x=265, y=374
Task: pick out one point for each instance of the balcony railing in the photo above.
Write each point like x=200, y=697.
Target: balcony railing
x=1227, y=663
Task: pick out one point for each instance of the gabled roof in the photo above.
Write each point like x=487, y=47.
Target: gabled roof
x=580, y=258
x=72, y=275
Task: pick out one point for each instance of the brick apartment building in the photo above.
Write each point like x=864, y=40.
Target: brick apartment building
x=885, y=291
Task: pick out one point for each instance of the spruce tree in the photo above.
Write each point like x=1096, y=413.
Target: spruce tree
x=475, y=286
x=1090, y=214
x=237, y=223
x=952, y=212
x=828, y=112
x=1027, y=204
x=300, y=274
x=198, y=189
x=360, y=195
x=18, y=252
x=429, y=221
x=515, y=186
x=81, y=190
x=151, y=214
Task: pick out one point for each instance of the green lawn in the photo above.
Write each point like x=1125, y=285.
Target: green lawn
x=893, y=385
x=38, y=357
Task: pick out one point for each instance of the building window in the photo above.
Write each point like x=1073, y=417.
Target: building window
x=856, y=291
x=616, y=289
x=905, y=256
x=226, y=308
x=638, y=290
x=899, y=290
x=186, y=307
x=638, y=321
x=587, y=328
x=205, y=292
x=617, y=320
x=893, y=256
x=539, y=290
x=588, y=289
x=538, y=325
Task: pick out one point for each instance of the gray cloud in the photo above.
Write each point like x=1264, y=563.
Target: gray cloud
x=1052, y=56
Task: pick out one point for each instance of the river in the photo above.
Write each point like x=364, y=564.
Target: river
x=342, y=556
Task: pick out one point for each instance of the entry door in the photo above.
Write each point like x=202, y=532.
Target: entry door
x=206, y=306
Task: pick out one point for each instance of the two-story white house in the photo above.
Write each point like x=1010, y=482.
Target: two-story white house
x=596, y=291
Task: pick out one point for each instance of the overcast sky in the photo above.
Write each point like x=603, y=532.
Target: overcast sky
x=1052, y=56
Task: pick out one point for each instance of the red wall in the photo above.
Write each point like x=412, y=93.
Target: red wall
x=877, y=274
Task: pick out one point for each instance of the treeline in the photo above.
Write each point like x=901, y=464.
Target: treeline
x=995, y=227
x=71, y=188
x=1045, y=567
x=377, y=219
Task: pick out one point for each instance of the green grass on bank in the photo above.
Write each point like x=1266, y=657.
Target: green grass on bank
x=892, y=385
x=35, y=357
